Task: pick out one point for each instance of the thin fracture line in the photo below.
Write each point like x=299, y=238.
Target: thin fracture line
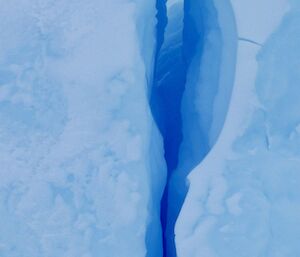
x=249, y=41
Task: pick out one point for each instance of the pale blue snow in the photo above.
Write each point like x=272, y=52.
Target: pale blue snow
x=82, y=164
x=76, y=130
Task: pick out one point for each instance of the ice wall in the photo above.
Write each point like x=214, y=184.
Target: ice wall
x=209, y=50
x=76, y=131
x=167, y=91
x=244, y=198
x=192, y=84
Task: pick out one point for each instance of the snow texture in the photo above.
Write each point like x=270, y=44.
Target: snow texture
x=82, y=163
x=244, y=198
x=77, y=179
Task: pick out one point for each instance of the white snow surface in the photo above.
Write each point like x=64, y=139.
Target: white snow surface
x=76, y=129
x=244, y=198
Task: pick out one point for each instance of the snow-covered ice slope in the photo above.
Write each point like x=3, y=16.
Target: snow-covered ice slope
x=76, y=177
x=244, y=198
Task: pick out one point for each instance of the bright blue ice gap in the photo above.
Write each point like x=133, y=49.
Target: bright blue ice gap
x=176, y=47
x=183, y=97
x=167, y=91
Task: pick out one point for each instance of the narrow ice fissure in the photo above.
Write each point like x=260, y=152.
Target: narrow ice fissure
x=167, y=92
x=183, y=96
x=170, y=76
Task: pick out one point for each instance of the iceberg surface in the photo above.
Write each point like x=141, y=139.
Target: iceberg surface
x=244, y=198
x=149, y=128
x=76, y=130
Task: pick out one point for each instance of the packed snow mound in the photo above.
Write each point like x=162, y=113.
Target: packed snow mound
x=76, y=129
x=244, y=198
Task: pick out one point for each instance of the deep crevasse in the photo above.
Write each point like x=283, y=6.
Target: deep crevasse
x=167, y=91
x=197, y=55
